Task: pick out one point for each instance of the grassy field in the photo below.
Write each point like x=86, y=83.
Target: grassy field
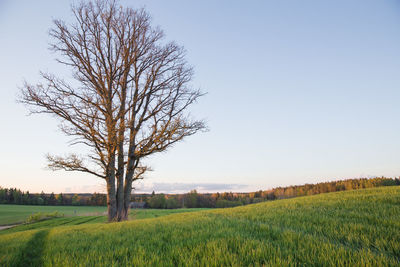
x=13, y=214
x=154, y=213
x=356, y=228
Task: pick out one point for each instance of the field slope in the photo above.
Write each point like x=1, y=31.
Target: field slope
x=357, y=228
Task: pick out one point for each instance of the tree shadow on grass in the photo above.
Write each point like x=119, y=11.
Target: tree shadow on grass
x=31, y=254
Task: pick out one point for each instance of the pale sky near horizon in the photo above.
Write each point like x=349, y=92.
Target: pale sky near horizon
x=298, y=92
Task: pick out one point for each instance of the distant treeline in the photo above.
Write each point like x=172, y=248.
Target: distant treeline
x=193, y=199
x=16, y=196
x=224, y=200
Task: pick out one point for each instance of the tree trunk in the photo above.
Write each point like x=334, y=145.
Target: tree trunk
x=127, y=197
x=111, y=197
x=130, y=171
x=120, y=199
x=111, y=200
x=120, y=158
x=120, y=183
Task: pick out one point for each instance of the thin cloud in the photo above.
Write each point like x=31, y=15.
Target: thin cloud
x=171, y=188
x=185, y=187
x=85, y=189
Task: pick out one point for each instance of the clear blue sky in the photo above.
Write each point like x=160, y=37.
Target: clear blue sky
x=298, y=92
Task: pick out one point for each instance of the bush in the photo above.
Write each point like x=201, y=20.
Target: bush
x=157, y=202
x=40, y=216
x=191, y=199
x=171, y=203
x=221, y=203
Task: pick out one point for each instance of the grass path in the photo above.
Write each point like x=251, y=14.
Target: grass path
x=32, y=253
x=7, y=226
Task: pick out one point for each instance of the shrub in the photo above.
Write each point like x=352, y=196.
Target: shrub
x=40, y=216
x=172, y=203
x=221, y=203
x=157, y=202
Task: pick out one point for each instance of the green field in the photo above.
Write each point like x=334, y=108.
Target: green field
x=154, y=213
x=14, y=214
x=356, y=228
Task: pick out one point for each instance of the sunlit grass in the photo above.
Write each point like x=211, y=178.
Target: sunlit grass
x=352, y=228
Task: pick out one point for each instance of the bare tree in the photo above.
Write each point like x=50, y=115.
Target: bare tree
x=128, y=98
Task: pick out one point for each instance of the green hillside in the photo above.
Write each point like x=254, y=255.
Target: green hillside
x=357, y=228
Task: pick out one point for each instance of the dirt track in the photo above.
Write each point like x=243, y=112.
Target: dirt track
x=2, y=227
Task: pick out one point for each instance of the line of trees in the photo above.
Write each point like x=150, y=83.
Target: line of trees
x=16, y=196
x=229, y=199
x=193, y=199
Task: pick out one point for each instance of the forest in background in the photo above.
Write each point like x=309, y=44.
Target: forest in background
x=193, y=199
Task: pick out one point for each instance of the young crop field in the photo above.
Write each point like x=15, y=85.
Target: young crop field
x=351, y=228
x=77, y=220
x=14, y=214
